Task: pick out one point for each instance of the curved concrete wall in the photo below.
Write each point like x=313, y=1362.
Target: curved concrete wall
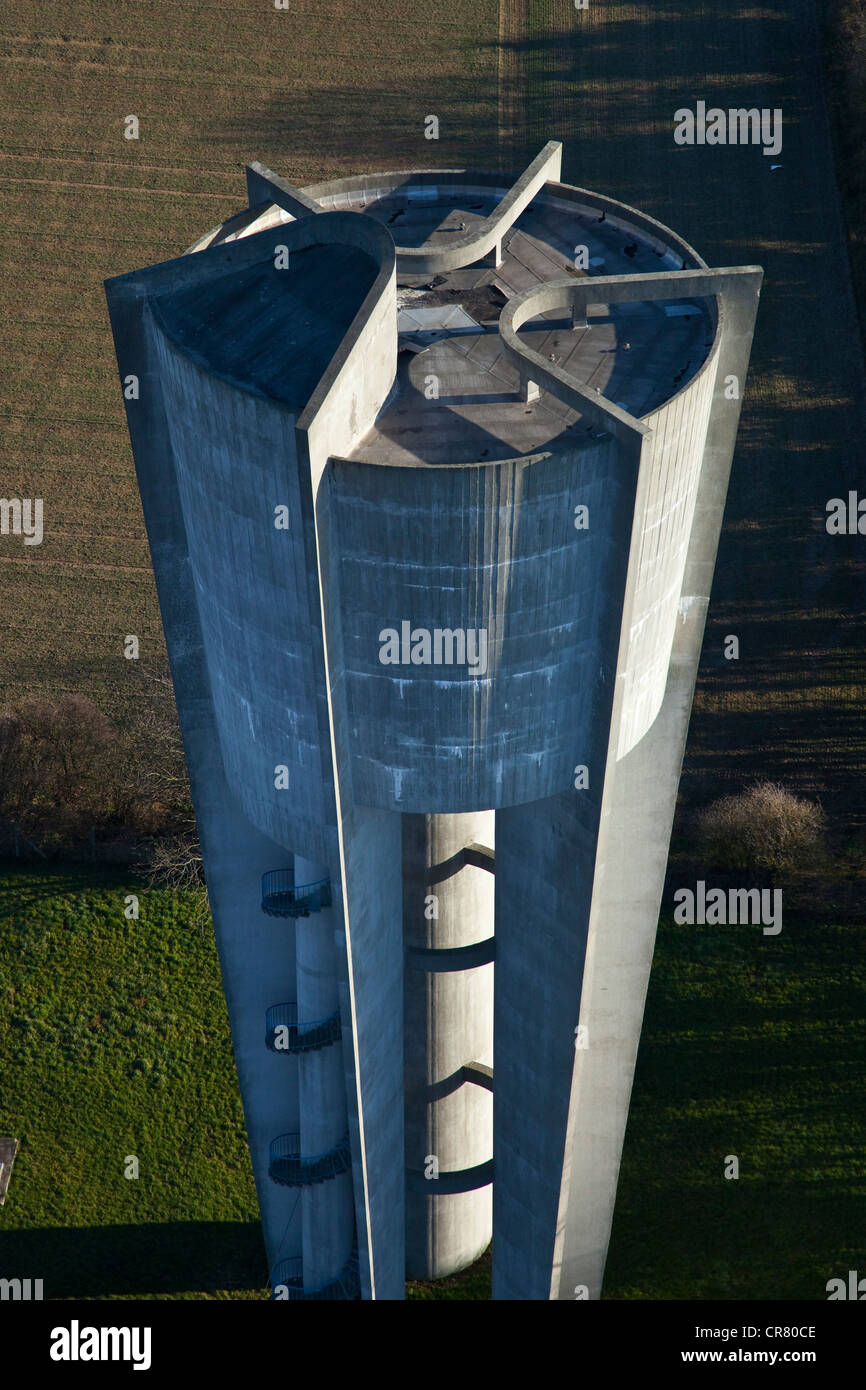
x=671, y=441
x=464, y=250
x=490, y=548
x=236, y=461
x=674, y=251
x=252, y=621
x=639, y=801
x=238, y=456
x=671, y=462
x=494, y=549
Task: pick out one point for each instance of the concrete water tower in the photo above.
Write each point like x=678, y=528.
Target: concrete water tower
x=433, y=466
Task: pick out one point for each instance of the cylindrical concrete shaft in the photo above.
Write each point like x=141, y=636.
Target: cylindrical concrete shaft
x=327, y=1207
x=448, y=1022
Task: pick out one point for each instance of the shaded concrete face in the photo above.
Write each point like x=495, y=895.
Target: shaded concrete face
x=569, y=726
x=257, y=961
x=370, y=966
x=327, y=1208
x=252, y=591
x=448, y=903
x=306, y=305
x=490, y=551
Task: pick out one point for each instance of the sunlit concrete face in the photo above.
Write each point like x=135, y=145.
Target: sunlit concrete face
x=433, y=467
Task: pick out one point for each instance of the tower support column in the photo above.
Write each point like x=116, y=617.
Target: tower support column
x=327, y=1207
x=448, y=904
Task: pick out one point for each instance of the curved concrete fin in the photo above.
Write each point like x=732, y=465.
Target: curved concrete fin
x=264, y=186
x=421, y=260
x=576, y=295
x=352, y=379
x=601, y=918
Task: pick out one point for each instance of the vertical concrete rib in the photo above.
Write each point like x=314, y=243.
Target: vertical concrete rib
x=447, y=903
x=637, y=815
x=328, y=1208
x=370, y=962
x=256, y=956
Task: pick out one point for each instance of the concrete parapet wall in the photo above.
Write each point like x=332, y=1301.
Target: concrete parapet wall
x=674, y=251
x=415, y=260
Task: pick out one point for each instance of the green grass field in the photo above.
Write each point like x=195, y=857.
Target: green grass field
x=114, y=1041
x=754, y=1047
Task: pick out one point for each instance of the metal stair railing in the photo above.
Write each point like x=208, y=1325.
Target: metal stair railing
x=299, y=1037
x=282, y=897
x=289, y=1167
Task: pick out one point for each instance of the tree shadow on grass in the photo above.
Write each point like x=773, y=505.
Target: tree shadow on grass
x=363, y=129
x=713, y=1239
x=129, y=1261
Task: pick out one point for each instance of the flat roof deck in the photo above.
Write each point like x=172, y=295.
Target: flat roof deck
x=636, y=354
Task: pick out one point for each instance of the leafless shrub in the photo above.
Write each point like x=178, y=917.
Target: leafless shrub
x=176, y=863
x=765, y=829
